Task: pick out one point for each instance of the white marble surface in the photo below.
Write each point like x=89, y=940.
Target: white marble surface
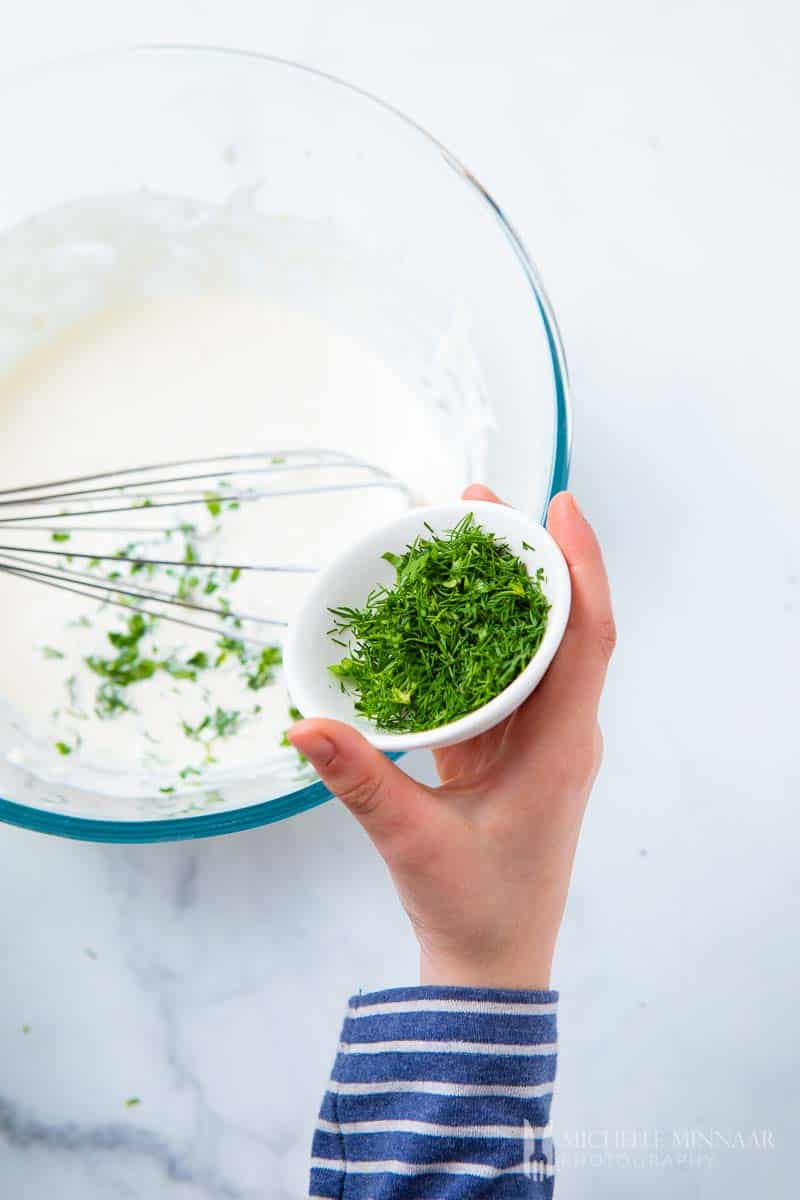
x=648, y=154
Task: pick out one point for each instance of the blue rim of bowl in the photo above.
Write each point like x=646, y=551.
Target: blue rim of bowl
x=173, y=829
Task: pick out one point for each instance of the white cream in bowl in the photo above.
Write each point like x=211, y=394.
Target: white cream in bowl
x=142, y=329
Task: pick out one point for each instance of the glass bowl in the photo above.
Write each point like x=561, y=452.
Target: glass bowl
x=368, y=216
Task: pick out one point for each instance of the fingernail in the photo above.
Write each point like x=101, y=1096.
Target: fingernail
x=318, y=749
x=575, y=504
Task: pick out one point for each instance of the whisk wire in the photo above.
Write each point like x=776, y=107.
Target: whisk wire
x=62, y=587
x=141, y=489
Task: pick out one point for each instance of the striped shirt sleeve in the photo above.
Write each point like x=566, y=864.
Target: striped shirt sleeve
x=440, y=1094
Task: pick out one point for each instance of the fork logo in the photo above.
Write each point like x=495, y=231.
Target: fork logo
x=537, y=1154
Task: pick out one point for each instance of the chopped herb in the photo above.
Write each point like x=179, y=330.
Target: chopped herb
x=221, y=723
x=109, y=702
x=130, y=666
x=90, y=953
x=132, y=1102
x=194, y=731
x=25, y=1029
x=230, y=645
x=132, y=656
x=264, y=672
x=137, y=628
x=462, y=620
x=225, y=722
x=186, y=585
x=295, y=715
x=124, y=670
x=178, y=670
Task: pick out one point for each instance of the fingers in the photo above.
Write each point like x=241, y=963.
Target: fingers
x=380, y=796
x=479, y=491
x=591, y=633
x=583, y=657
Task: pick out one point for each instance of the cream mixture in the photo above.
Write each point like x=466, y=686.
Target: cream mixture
x=133, y=338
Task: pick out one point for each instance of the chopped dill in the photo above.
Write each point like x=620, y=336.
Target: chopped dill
x=230, y=645
x=264, y=668
x=463, y=619
x=185, y=772
x=131, y=666
x=131, y=655
x=295, y=715
x=109, y=702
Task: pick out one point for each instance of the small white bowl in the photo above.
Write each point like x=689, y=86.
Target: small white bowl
x=349, y=579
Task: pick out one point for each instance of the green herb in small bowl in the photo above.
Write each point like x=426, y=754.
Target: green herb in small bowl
x=434, y=628
x=460, y=622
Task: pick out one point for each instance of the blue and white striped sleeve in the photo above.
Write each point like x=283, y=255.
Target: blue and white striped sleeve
x=440, y=1093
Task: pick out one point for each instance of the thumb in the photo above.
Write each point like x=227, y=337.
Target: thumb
x=379, y=795
x=589, y=640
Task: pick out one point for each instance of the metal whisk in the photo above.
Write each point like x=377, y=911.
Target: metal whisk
x=62, y=533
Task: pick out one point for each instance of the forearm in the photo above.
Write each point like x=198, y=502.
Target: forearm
x=440, y=1092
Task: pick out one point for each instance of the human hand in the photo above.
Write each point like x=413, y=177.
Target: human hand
x=482, y=863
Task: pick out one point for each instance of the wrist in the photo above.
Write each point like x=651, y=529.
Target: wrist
x=517, y=972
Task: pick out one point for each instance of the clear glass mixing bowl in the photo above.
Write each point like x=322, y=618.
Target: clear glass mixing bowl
x=212, y=126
